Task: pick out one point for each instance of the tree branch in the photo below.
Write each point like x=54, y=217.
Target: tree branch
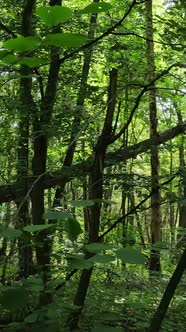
x=10, y=192
x=138, y=98
x=131, y=33
x=143, y=146
x=103, y=35
x=136, y=207
x=7, y=30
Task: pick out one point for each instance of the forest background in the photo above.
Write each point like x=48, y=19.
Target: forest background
x=93, y=175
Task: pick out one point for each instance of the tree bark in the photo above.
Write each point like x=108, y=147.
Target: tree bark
x=181, y=239
x=168, y=294
x=26, y=110
x=77, y=117
x=96, y=192
x=40, y=128
x=154, y=262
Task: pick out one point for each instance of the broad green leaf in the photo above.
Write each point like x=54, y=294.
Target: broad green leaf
x=55, y=282
x=14, y=298
x=32, y=61
x=53, y=15
x=79, y=263
x=102, y=259
x=52, y=312
x=65, y=40
x=131, y=256
x=52, y=215
x=95, y=8
x=34, y=284
x=72, y=228
x=97, y=247
x=37, y=228
x=82, y=203
x=22, y=44
x=3, y=53
x=10, y=233
x=71, y=225
x=9, y=59
x=128, y=239
x=70, y=306
x=32, y=318
x=160, y=245
x=57, y=215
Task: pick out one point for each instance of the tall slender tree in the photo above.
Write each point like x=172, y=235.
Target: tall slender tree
x=154, y=262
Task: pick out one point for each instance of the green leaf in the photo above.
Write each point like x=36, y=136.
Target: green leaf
x=10, y=233
x=34, y=284
x=65, y=40
x=72, y=228
x=57, y=215
x=9, y=59
x=97, y=247
x=95, y=8
x=22, y=44
x=54, y=215
x=131, y=256
x=71, y=306
x=37, y=228
x=53, y=15
x=79, y=262
x=32, y=318
x=128, y=239
x=102, y=259
x=4, y=53
x=14, y=298
x=32, y=61
x=82, y=203
x=160, y=245
x=71, y=225
x=52, y=312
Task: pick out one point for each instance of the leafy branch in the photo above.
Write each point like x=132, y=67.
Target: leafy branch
x=118, y=221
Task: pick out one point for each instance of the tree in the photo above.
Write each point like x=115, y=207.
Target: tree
x=154, y=263
x=69, y=129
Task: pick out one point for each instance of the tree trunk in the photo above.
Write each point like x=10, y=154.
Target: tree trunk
x=40, y=131
x=154, y=262
x=171, y=208
x=26, y=109
x=168, y=294
x=76, y=122
x=96, y=192
x=181, y=239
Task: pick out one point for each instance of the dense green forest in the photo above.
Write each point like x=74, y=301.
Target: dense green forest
x=93, y=173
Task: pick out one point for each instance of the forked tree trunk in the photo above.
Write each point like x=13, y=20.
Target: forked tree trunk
x=154, y=262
